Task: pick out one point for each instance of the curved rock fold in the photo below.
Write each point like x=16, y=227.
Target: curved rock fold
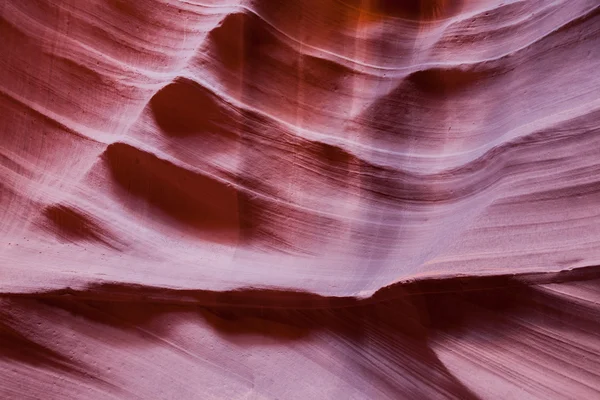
x=330, y=199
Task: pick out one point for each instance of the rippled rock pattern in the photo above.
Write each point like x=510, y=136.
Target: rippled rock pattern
x=328, y=199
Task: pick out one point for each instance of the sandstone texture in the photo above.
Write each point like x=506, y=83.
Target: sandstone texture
x=299, y=199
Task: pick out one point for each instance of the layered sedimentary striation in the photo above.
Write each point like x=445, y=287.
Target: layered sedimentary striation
x=398, y=199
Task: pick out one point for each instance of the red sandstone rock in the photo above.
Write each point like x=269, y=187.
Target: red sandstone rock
x=299, y=199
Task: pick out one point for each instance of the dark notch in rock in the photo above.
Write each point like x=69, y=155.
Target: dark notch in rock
x=418, y=10
x=193, y=200
x=71, y=225
x=185, y=108
x=446, y=81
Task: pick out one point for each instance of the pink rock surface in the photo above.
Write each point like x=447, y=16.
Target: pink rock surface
x=355, y=199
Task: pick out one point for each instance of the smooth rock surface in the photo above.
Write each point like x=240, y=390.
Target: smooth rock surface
x=239, y=199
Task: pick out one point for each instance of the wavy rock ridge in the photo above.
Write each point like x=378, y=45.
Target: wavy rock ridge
x=299, y=180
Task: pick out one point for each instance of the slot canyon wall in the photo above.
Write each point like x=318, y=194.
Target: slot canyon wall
x=299, y=199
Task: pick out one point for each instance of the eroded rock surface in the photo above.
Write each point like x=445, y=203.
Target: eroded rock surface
x=299, y=199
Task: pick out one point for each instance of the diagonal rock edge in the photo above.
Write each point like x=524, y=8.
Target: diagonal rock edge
x=265, y=298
